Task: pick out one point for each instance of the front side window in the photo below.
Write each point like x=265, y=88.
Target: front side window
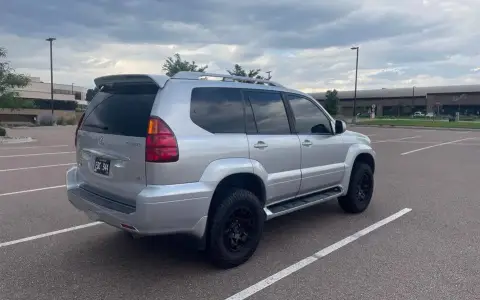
x=309, y=119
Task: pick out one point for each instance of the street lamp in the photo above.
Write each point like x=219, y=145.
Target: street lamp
x=51, y=39
x=413, y=99
x=355, y=93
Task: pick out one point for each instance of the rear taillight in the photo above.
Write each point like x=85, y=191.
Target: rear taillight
x=78, y=127
x=161, y=144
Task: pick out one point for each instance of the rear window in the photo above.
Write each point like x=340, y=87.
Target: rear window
x=121, y=110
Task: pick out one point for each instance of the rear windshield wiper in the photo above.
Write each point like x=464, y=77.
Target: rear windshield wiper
x=96, y=126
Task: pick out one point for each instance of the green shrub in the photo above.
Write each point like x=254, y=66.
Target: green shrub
x=61, y=121
x=70, y=121
x=3, y=132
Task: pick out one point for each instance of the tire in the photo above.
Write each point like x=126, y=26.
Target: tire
x=357, y=200
x=228, y=225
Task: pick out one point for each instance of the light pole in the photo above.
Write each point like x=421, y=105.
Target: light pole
x=51, y=39
x=413, y=99
x=355, y=93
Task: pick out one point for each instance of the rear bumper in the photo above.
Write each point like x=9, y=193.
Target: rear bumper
x=181, y=208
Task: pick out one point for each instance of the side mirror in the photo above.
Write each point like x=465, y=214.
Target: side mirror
x=340, y=126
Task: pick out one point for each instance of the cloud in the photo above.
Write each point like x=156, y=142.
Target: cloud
x=305, y=44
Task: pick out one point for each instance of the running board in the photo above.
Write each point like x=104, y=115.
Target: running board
x=283, y=208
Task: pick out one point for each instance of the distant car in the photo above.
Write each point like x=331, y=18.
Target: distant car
x=364, y=114
x=430, y=115
x=418, y=114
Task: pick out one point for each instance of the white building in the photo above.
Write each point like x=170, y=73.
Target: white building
x=39, y=90
x=67, y=100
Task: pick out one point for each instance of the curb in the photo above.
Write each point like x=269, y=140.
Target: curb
x=14, y=140
x=418, y=127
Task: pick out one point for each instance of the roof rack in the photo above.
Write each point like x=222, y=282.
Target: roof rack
x=225, y=77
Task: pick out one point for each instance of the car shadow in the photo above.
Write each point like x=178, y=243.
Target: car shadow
x=180, y=251
x=110, y=260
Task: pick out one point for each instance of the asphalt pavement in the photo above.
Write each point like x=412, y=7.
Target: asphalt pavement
x=49, y=250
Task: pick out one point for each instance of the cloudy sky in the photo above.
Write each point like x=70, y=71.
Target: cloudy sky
x=305, y=43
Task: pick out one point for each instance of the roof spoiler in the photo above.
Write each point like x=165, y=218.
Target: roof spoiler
x=159, y=80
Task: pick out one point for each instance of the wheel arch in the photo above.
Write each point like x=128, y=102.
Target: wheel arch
x=357, y=153
x=243, y=180
x=366, y=158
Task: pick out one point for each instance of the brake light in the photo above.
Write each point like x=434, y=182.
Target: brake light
x=78, y=127
x=161, y=143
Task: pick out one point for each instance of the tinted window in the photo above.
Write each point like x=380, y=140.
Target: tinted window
x=121, y=110
x=218, y=110
x=308, y=117
x=269, y=112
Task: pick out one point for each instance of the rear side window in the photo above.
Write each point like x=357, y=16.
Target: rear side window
x=269, y=112
x=218, y=110
x=121, y=110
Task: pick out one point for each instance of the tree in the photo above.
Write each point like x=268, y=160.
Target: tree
x=90, y=94
x=331, y=102
x=9, y=82
x=239, y=71
x=174, y=65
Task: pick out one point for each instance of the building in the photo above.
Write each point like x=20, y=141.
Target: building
x=443, y=100
x=66, y=99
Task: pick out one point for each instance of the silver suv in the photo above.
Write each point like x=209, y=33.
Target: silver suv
x=212, y=156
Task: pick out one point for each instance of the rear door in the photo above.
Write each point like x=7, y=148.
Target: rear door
x=272, y=144
x=111, y=140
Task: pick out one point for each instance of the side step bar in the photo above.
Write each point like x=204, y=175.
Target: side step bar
x=283, y=208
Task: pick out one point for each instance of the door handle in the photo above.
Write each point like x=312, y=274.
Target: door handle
x=260, y=145
x=307, y=143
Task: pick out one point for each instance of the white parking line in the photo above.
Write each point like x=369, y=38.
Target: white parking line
x=309, y=260
x=36, y=154
x=432, y=143
x=36, y=237
x=436, y=145
x=395, y=140
x=32, y=147
x=34, y=190
x=37, y=167
x=467, y=144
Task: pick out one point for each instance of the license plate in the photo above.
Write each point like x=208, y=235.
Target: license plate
x=102, y=166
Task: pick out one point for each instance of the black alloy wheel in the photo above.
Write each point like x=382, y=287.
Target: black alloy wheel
x=235, y=229
x=360, y=190
x=239, y=229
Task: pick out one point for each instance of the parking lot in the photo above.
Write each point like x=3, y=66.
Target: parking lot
x=48, y=250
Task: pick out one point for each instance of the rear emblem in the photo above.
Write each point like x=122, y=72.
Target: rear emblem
x=100, y=141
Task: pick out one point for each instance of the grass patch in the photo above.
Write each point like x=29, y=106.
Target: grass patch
x=423, y=123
